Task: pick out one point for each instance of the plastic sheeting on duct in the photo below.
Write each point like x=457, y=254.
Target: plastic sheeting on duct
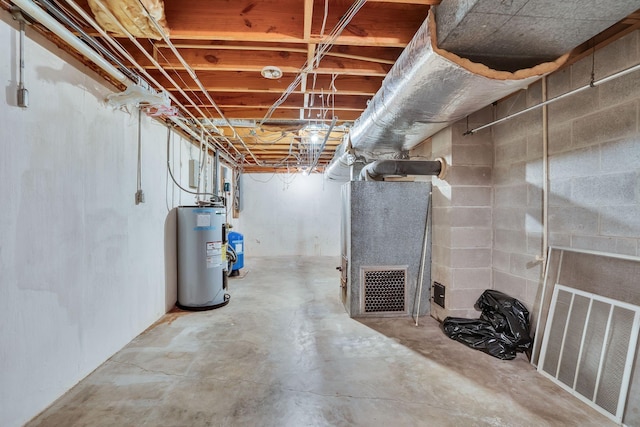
x=429, y=88
x=132, y=15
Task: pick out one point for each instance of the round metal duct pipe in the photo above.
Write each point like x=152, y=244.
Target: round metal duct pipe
x=377, y=170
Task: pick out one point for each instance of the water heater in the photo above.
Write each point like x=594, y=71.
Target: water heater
x=201, y=257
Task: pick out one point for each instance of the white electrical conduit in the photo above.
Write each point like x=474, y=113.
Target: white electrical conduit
x=54, y=8
x=61, y=31
x=592, y=84
x=126, y=54
x=193, y=75
x=545, y=177
x=23, y=93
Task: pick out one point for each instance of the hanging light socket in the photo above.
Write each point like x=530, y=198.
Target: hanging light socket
x=271, y=72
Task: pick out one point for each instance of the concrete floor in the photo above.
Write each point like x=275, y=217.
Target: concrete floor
x=285, y=353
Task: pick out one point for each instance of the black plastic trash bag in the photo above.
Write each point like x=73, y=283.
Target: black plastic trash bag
x=501, y=331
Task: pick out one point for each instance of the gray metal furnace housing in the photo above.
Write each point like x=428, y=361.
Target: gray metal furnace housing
x=383, y=227
x=200, y=257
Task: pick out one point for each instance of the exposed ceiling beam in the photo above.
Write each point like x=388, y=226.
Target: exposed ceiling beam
x=229, y=81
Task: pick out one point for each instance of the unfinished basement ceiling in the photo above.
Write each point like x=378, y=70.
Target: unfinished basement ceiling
x=228, y=44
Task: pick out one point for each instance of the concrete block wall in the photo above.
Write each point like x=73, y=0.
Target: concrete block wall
x=594, y=169
x=462, y=217
x=488, y=211
x=517, y=206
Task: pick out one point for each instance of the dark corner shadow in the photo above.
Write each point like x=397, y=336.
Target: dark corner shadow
x=170, y=260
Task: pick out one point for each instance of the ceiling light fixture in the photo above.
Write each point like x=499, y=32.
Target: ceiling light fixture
x=271, y=72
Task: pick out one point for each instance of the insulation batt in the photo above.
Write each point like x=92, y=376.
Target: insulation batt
x=132, y=16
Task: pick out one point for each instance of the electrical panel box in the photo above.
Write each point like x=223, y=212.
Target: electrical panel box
x=194, y=170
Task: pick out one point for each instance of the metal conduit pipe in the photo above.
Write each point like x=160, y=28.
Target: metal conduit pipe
x=61, y=31
x=216, y=146
x=39, y=14
x=150, y=58
x=593, y=83
x=377, y=170
x=62, y=17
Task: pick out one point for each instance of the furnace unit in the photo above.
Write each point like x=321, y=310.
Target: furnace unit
x=382, y=238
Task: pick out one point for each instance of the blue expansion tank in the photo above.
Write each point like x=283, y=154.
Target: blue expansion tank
x=236, y=240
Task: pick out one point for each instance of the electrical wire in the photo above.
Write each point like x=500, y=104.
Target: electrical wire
x=195, y=78
x=166, y=178
x=259, y=180
x=141, y=69
x=321, y=51
x=324, y=19
x=174, y=179
x=139, y=173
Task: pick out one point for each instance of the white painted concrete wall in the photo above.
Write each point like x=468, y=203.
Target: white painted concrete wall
x=82, y=268
x=290, y=215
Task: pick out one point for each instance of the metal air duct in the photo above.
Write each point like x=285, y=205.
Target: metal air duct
x=427, y=89
x=377, y=170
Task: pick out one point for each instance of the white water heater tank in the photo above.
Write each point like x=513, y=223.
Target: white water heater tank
x=201, y=258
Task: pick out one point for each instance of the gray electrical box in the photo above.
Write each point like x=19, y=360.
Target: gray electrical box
x=194, y=171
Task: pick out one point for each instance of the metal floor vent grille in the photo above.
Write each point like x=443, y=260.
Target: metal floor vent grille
x=589, y=348
x=384, y=290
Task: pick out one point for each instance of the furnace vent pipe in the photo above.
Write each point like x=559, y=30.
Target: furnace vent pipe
x=377, y=170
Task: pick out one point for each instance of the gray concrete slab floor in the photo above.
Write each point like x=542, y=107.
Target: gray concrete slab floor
x=284, y=352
